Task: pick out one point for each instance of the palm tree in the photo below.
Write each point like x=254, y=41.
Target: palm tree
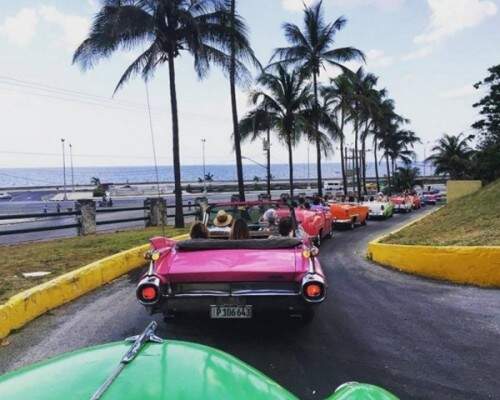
x=382, y=119
x=405, y=178
x=167, y=28
x=281, y=103
x=339, y=96
x=397, y=144
x=310, y=49
x=452, y=155
x=362, y=104
x=239, y=50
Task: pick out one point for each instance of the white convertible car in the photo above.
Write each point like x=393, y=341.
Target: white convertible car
x=379, y=209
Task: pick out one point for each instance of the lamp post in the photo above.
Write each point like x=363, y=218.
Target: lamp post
x=203, y=141
x=71, y=165
x=65, y=196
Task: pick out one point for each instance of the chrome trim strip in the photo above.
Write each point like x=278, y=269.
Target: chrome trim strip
x=237, y=293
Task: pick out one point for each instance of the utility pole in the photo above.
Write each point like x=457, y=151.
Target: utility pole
x=65, y=196
x=71, y=164
x=267, y=150
x=203, y=158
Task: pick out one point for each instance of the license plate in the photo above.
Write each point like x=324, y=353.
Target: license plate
x=218, y=312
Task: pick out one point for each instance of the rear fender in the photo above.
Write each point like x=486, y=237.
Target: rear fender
x=162, y=244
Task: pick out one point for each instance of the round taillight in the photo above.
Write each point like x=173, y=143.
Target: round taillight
x=149, y=293
x=313, y=290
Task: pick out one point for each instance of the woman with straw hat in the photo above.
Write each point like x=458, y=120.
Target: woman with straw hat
x=222, y=221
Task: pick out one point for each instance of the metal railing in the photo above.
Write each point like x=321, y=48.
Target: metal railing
x=146, y=218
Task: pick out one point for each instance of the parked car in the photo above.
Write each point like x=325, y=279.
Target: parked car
x=349, y=214
x=149, y=368
x=5, y=196
x=379, y=209
x=233, y=278
x=402, y=204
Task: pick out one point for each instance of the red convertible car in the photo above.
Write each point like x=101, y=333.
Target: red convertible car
x=318, y=224
x=233, y=278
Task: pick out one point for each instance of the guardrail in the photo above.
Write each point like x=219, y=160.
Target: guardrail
x=86, y=222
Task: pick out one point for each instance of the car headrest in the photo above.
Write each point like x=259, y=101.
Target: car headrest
x=250, y=244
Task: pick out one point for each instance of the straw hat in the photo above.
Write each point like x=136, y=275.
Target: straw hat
x=223, y=219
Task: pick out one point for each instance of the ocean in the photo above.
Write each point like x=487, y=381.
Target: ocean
x=16, y=177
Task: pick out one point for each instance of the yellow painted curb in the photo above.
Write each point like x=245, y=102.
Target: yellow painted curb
x=27, y=305
x=472, y=265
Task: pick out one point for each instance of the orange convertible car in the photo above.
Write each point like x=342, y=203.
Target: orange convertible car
x=349, y=214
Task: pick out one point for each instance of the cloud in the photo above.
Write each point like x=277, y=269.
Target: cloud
x=378, y=58
x=74, y=28
x=451, y=16
x=20, y=29
x=421, y=52
x=464, y=91
x=298, y=5
x=295, y=5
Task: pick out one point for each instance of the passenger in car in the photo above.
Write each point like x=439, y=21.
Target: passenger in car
x=198, y=231
x=239, y=230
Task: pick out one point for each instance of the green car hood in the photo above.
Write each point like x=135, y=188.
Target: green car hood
x=171, y=370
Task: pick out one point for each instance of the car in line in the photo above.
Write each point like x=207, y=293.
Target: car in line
x=233, y=278
x=430, y=198
x=379, y=209
x=317, y=223
x=349, y=215
x=402, y=204
x=148, y=367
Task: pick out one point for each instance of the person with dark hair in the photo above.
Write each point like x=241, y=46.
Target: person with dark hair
x=307, y=206
x=198, y=231
x=301, y=202
x=285, y=227
x=239, y=230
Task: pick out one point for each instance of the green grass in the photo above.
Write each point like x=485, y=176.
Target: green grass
x=473, y=220
x=63, y=255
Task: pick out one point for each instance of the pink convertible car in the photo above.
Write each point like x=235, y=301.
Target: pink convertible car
x=233, y=278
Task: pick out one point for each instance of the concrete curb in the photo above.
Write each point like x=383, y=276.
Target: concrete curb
x=471, y=265
x=26, y=306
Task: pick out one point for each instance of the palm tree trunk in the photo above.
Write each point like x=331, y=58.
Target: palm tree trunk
x=290, y=163
x=342, y=157
x=268, y=161
x=316, y=131
x=388, y=173
x=376, y=165
x=363, y=160
x=179, y=213
x=356, y=154
x=234, y=109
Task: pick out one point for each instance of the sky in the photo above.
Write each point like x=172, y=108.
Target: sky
x=427, y=54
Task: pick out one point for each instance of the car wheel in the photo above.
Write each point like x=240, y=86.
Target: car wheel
x=364, y=222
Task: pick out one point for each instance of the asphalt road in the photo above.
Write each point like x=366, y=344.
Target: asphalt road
x=420, y=339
